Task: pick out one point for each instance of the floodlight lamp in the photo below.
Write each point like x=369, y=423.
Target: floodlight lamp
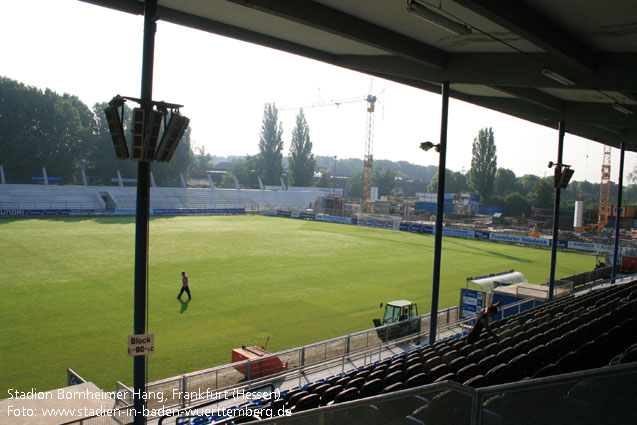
x=173, y=133
x=435, y=18
x=567, y=174
x=116, y=129
x=137, y=145
x=153, y=126
x=425, y=146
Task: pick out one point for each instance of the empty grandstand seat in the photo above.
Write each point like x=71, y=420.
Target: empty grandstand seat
x=433, y=362
x=393, y=387
x=505, y=354
x=466, y=349
x=416, y=380
x=356, y=383
x=321, y=388
x=487, y=363
x=414, y=369
x=292, y=400
x=343, y=380
x=347, y=394
x=476, y=356
x=311, y=387
x=457, y=364
x=447, y=377
x=370, y=388
x=567, y=363
x=492, y=348
x=546, y=370
x=496, y=375
x=517, y=367
x=330, y=393
x=291, y=393
x=450, y=356
x=447, y=408
x=467, y=372
x=476, y=382
x=393, y=377
x=437, y=372
x=377, y=374
x=307, y=402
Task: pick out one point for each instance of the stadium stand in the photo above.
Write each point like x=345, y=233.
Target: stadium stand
x=574, y=333
x=49, y=197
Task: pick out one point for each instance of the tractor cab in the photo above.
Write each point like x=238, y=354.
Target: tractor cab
x=402, y=313
x=396, y=311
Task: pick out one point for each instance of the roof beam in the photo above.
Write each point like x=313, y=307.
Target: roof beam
x=316, y=15
x=520, y=19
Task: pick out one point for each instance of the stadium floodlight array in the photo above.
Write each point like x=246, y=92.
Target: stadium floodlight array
x=172, y=135
x=146, y=130
x=116, y=127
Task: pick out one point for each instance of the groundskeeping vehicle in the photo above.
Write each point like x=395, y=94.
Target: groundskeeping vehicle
x=402, y=316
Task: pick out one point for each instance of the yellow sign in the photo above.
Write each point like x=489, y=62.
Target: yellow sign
x=141, y=345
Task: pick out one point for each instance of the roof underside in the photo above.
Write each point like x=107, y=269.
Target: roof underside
x=499, y=65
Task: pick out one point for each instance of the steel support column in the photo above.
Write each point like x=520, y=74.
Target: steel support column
x=142, y=215
x=556, y=208
x=442, y=149
x=620, y=181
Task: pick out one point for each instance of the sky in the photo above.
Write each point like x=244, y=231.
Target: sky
x=95, y=53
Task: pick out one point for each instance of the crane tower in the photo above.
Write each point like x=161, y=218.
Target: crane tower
x=368, y=158
x=604, y=191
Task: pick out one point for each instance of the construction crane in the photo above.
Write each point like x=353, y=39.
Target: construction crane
x=368, y=157
x=604, y=195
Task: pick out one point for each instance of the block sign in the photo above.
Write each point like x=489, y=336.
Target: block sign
x=141, y=345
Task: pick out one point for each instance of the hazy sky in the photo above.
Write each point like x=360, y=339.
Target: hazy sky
x=95, y=53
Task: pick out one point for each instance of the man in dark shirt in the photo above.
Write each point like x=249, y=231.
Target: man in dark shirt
x=184, y=286
x=482, y=321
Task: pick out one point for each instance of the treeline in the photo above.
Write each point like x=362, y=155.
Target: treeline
x=40, y=128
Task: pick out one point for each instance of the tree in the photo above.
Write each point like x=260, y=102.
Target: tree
x=505, y=182
x=324, y=180
x=302, y=162
x=227, y=180
x=385, y=182
x=354, y=186
x=270, y=146
x=483, y=164
x=247, y=170
x=455, y=182
x=526, y=183
x=42, y=129
x=202, y=159
x=542, y=194
x=517, y=205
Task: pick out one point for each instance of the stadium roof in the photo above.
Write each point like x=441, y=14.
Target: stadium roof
x=504, y=64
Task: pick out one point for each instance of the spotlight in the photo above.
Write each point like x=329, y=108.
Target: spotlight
x=116, y=129
x=152, y=134
x=567, y=173
x=138, y=134
x=428, y=145
x=173, y=133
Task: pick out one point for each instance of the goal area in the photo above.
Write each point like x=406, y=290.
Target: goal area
x=379, y=220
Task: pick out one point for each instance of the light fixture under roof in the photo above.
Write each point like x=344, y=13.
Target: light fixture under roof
x=434, y=17
x=547, y=72
x=619, y=108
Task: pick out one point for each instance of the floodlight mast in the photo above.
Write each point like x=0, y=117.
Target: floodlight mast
x=141, y=217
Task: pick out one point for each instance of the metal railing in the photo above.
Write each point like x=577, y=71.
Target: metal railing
x=73, y=378
x=585, y=395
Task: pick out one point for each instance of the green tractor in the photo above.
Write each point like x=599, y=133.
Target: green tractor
x=402, y=314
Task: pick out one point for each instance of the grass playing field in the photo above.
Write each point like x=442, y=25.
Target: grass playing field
x=67, y=288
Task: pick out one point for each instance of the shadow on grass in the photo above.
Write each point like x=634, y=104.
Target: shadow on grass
x=184, y=305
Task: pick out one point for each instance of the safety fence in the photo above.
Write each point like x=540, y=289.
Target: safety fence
x=599, y=396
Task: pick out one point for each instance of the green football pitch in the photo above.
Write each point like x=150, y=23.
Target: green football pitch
x=67, y=288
